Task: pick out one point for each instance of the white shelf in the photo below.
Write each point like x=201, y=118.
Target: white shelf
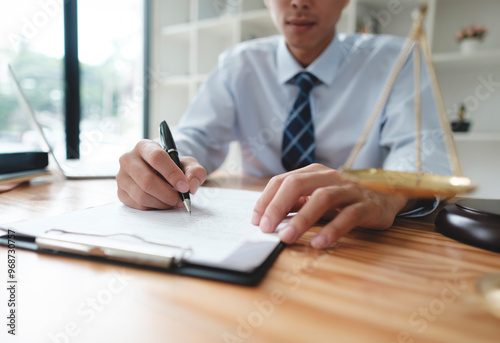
x=177, y=29
x=177, y=54
x=259, y=16
x=184, y=80
x=202, y=24
x=452, y=15
x=200, y=78
x=170, y=13
x=251, y=5
x=178, y=80
x=215, y=22
x=455, y=60
x=256, y=24
x=476, y=137
x=190, y=34
x=381, y=4
x=210, y=9
x=389, y=17
x=212, y=40
x=256, y=14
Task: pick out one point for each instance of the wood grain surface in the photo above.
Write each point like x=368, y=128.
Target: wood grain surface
x=406, y=284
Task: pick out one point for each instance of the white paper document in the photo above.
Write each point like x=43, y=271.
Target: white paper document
x=218, y=232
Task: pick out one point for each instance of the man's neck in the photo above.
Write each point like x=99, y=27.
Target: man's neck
x=307, y=56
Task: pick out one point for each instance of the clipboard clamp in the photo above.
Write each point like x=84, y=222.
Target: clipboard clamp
x=135, y=256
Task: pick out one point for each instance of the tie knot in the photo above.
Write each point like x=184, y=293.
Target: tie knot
x=306, y=81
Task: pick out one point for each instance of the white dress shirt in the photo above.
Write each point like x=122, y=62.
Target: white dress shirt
x=249, y=96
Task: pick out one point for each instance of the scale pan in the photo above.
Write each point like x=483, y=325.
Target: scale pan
x=488, y=288
x=412, y=184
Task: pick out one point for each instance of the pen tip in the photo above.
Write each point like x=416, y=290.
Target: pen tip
x=187, y=204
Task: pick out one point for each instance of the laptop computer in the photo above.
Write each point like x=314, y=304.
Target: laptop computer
x=71, y=169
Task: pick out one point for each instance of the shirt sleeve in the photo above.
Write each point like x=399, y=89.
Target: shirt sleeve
x=422, y=208
x=398, y=128
x=208, y=126
x=398, y=133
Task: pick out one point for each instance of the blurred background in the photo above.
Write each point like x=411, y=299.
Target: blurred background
x=111, y=54
x=142, y=61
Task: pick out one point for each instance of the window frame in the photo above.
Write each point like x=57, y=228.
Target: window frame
x=72, y=99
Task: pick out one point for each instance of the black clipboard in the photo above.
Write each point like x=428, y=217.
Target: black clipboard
x=174, y=266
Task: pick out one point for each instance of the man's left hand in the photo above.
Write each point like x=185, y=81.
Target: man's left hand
x=317, y=192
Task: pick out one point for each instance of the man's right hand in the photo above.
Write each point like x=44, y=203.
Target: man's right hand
x=143, y=171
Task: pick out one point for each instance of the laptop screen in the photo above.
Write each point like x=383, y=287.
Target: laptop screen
x=99, y=170
x=17, y=131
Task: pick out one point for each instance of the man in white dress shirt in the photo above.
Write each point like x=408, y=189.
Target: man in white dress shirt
x=297, y=103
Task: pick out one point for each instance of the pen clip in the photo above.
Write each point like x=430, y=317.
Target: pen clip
x=166, y=138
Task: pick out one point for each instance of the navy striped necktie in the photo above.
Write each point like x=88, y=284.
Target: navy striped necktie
x=298, y=147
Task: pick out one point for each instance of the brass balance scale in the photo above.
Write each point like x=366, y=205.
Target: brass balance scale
x=419, y=184
x=474, y=221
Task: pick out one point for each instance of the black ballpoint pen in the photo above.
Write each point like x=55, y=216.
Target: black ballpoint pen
x=168, y=144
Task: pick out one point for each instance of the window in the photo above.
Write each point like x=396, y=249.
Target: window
x=32, y=42
x=110, y=49
x=111, y=54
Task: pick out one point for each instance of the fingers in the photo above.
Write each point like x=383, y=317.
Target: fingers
x=289, y=191
x=159, y=160
x=143, y=185
x=142, y=175
x=195, y=173
x=317, y=192
x=127, y=200
x=274, y=184
x=357, y=207
x=321, y=201
x=349, y=218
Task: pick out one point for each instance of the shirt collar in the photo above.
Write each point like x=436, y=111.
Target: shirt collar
x=323, y=67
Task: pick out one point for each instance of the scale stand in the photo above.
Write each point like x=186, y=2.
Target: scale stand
x=419, y=184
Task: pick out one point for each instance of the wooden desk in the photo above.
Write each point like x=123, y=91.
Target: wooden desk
x=406, y=284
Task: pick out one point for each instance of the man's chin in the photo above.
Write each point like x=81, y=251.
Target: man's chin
x=302, y=43
x=292, y=35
